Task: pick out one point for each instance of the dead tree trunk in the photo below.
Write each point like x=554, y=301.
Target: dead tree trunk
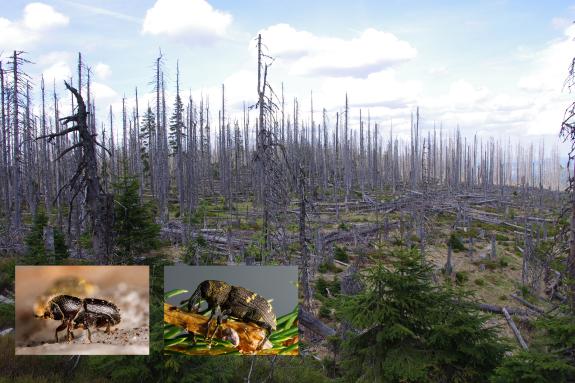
x=99, y=205
x=305, y=275
x=17, y=217
x=568, y=133
x=493, y=247
x=515, y=329
x=448, y=265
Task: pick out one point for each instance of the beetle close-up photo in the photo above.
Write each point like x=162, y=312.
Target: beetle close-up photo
x=81, y=313
x=217, y=317
x=82, y=310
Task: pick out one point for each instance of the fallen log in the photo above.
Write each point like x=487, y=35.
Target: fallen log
x=250, y=335
x=483, y=202
x=234, y=242
x=537, y=219
x=341, y=263
x=499, y=310
x=349, y=235
x=310, y=322
x=514, y=329
x=562, y=298
x=512, y=225
x=528, y=304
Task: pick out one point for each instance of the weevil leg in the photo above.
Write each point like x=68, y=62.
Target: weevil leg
x=107, y=331
x=264, y=340
x=210, y=322
x=60, y=328
x=220, y=316
x=193, y=337
x=69, y=333
x=216, y=312
x=89, y=334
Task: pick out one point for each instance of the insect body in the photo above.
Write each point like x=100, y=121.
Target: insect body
x=64, y=308
x=227, y=300
x=97, y=313
x=85, y=313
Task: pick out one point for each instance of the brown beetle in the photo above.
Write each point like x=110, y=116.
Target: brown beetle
x=85, y=313
x=97, y=313
x=226, y=300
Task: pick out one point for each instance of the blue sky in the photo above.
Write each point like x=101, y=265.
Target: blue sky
x=494, y=68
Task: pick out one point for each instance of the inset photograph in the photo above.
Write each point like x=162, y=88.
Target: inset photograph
x=225, y=310
x=82, y=310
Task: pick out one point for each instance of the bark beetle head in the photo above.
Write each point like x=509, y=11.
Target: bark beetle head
x=61, y=307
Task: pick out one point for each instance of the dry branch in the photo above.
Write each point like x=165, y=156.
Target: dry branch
x=250, y=335
x=349, y=235
x=528, y=304
x=499, y=310
x=514, y=328
x=307, y=320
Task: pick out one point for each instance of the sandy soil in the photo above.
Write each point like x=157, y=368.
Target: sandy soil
x=119, y=342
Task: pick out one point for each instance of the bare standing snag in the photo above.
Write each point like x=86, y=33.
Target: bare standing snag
x=227, y=300
x=85, y=313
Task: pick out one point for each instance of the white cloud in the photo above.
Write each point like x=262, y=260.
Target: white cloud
x=55, y=56
x=381, y=89
x=544, y=84
x=103, y=71
x=186, y=20
x=438, y=70
x=103, y=93
x=462, y=92
x=40, y=17
x=14, y=36
x=311, y=55
x=55, y=66
x=37, y=20
x=551, y=64
x=58, y=71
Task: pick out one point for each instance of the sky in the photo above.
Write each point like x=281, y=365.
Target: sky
x=271, y=282
x=494, y=68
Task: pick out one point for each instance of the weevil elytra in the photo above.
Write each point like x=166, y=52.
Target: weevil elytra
x=226, y=300
x=81, y=313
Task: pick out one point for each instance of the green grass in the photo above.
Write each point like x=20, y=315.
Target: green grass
x=321, y=286
x=327, y=267
x=461, y=277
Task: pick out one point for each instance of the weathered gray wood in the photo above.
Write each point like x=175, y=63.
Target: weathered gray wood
x=528, y=304
x=448, y=266
x=499, y=309
x=515, y=329
x=493, y=253
x=310, y=322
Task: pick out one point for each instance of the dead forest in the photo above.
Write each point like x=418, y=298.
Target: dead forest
x=284, y=182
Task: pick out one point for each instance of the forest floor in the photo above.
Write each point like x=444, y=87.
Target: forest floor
x=474, y=218
x=348, y=239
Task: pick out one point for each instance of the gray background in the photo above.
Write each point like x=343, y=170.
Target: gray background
x=277, y=282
